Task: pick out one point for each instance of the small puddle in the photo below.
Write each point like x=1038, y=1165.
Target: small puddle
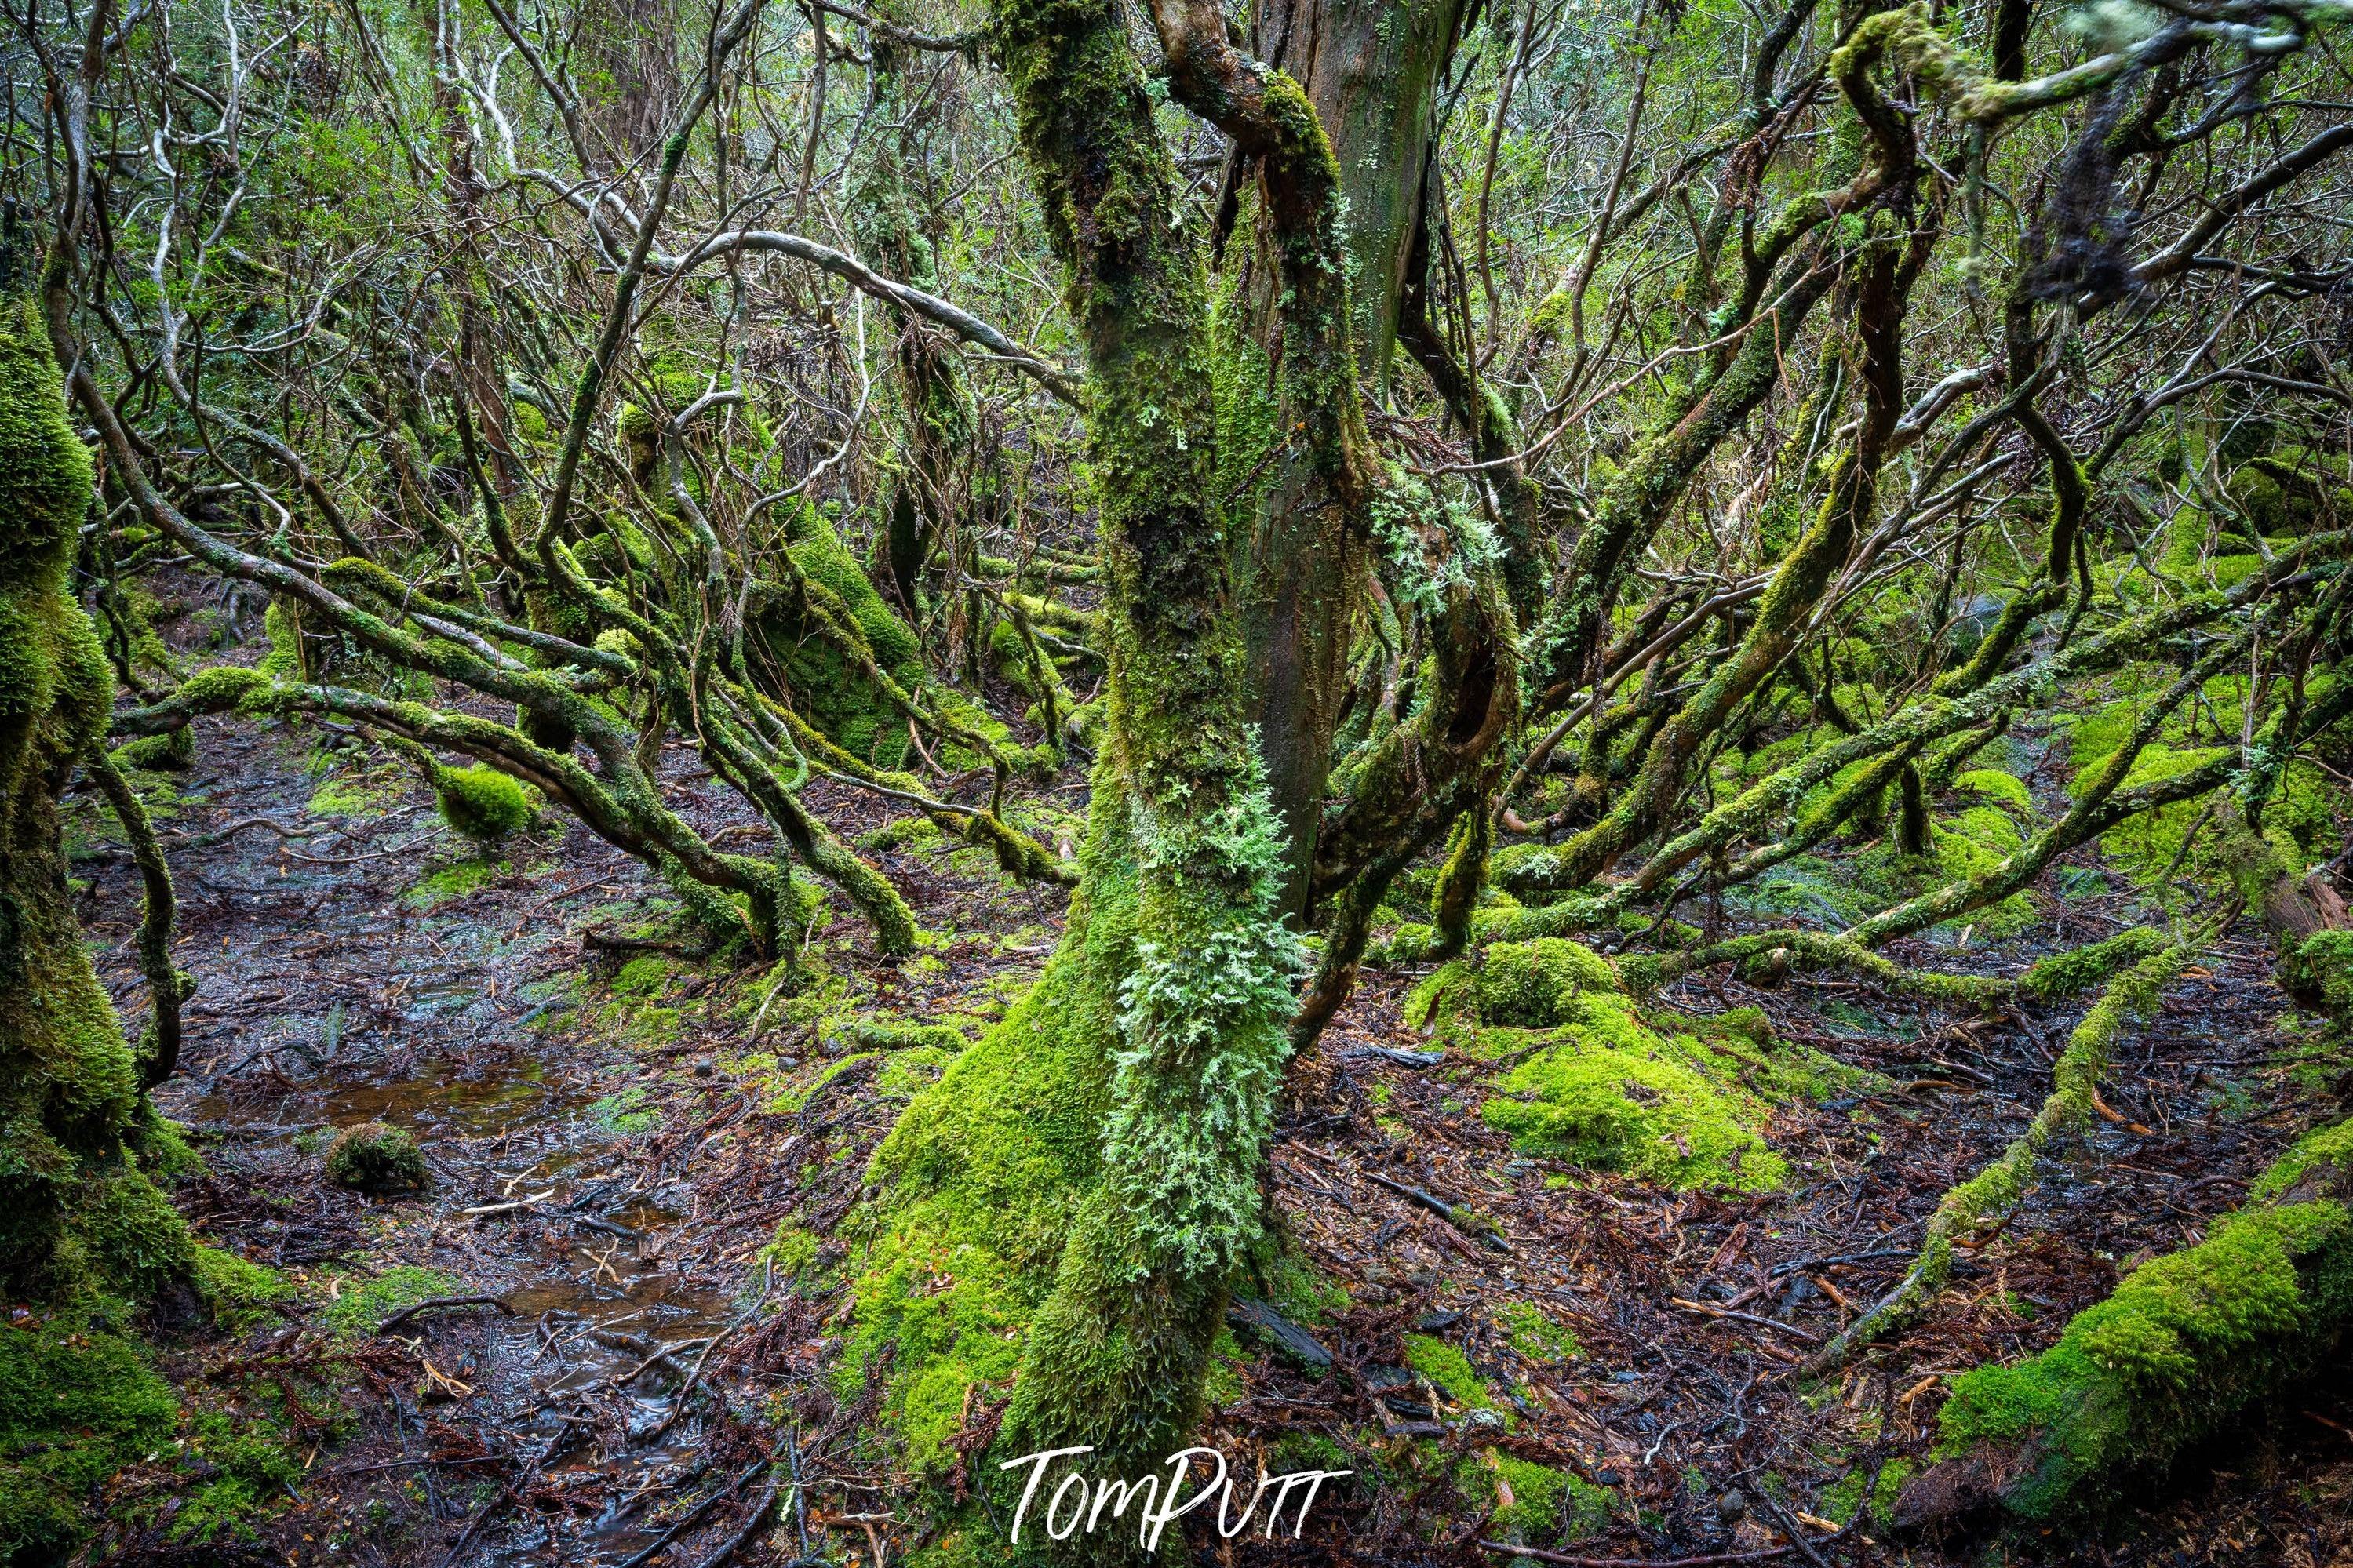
x=604, y=1334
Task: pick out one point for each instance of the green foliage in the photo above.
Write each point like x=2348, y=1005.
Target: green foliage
x=375, y=1157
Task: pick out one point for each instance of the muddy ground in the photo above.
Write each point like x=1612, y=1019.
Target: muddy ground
x=613, y=1145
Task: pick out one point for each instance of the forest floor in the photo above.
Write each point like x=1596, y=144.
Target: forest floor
x=616, y=1133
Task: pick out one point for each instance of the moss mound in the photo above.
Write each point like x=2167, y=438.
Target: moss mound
x=374, y=1157
x=170, y=751
x=1683, y=1102
x=481, y=803
x=1535, y=983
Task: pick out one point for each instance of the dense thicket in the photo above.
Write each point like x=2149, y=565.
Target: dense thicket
x=1455, y=474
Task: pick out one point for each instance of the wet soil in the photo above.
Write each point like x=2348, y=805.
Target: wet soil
x=612, y=1187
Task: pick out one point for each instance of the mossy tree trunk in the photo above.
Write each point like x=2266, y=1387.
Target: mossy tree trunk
x=1370, y=75
x=71, y=1103
x=942, y=421
x=1151, y=1051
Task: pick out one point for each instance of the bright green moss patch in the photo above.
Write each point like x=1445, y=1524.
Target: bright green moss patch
x=645, y=975
x=356, y=793
x=984, y=1176
x=77, y=1403
x=1840, y=1501
x=1611, y=1089
x=1535, y=1336
x=1610, y=1094
x=2321, y=973
x=135, y=1241
x=1532, y=1501
x=481, y=803
x=624, y=1113
x=1532, y=983
x=2079, y=969
x=366, y=1303
x=1448, y=1371
x=238, y=1292
x=450, y=882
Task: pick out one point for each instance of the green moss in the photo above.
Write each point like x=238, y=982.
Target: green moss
x=1545, y=1502
x=375, y=1157
x=1609, y=1093
x=76, y=1405
x=1535, y=983
x=69, y=1086
x=626, y=1113
x=827, y=686
x=903, y=833
x=645, y=976
x=220, y=687
x=284, y=658
x=237, y=1292
x=446, y=883
x=364, y=1304
x=354, y=793
x=2077, y=970
x=2004, y=789
x=136, y=1243
x=1535, y=1336
x=253, y=1461
x=986, y=1182
x=792, y=1252
x=1840, y=1501
x=1448, y=1371
x=172, y=751
x=2185, y=1343
x=482, y=803
x=2320, y=974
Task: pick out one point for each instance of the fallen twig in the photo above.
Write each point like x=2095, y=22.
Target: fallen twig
x=432, y=1301
x=1707, y=1311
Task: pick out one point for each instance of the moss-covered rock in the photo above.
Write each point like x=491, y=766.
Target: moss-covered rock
x=170, y=752
x=375, y=1157
x=1610, y=1092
